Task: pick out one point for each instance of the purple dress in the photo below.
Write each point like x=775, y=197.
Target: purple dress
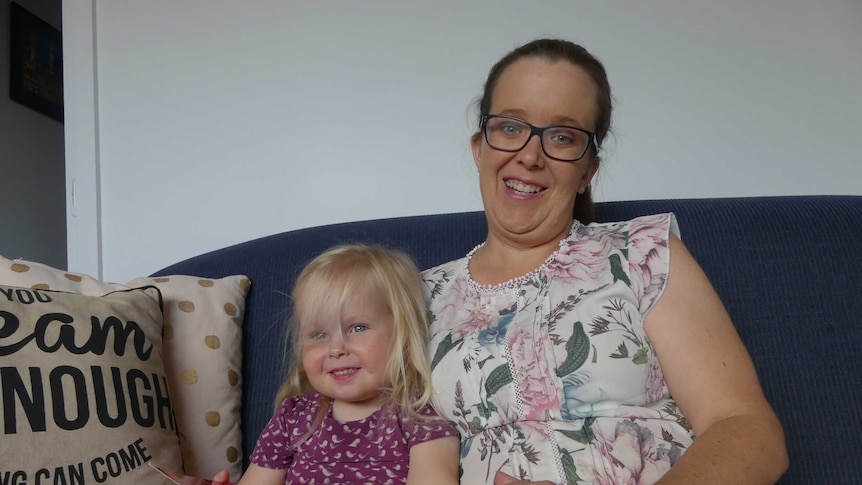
x=375, y=449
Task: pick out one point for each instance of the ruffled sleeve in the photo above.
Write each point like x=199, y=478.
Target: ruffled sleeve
x=649, y=257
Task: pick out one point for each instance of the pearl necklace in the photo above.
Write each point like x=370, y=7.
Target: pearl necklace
x=518, y=280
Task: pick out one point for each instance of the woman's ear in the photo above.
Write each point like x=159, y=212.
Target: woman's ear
x=476, y=148
x=589, y=173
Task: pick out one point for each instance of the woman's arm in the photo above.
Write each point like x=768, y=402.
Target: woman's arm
x=712, y=378
x=434, y=462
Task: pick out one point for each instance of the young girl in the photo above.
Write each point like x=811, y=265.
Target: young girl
x=355, y=407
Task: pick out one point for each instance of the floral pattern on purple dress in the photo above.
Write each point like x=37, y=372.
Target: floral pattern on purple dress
x=375, y=449
x=551, y=376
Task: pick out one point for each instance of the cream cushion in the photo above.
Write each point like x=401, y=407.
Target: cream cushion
x=202, y=352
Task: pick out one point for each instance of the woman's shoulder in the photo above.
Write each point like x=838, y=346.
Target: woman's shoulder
x=445, y=271
x=659, y=219
x=664, y=220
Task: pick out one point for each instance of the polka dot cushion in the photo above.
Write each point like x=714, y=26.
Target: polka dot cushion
x=203, y=332
x=203, y=355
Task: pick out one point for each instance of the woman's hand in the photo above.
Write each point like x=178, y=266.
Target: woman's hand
x=504, y=479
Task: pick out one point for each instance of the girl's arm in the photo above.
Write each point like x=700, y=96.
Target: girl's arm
x=258, y=475
x=434, y=462
x=712, y=378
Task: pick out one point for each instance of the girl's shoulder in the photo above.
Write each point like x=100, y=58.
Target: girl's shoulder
x=301, y=405
x=424, y=425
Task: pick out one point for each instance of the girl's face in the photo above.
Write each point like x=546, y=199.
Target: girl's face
x=345, y=352
x=529, y=197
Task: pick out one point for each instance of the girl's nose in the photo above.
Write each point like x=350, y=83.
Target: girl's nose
x=336, y=347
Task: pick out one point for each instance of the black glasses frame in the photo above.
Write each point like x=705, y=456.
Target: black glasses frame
x=537, y=130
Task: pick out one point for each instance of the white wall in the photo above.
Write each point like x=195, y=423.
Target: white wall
x=221, y=121
x=32, y=179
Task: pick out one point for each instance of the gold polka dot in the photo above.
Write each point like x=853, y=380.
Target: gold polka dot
x=168, y=332
x=189, y=376
x=206, y=283
x=232, y=377
x=161, y=280
x=41, y=286
x=230, y=309
x=187, y=306
x=245, y=284
x=20, y=268
x=212, y=341
x=72, y=277
x=212, y=418
x=232, y=454
x=188, y=460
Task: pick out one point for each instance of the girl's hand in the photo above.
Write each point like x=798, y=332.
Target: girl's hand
x=221, y=478
x=504, y=479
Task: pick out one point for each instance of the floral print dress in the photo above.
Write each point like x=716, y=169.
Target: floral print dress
x=550, y=376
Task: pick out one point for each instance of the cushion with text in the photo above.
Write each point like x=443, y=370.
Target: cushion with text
x=20, y=272
x=85, y=398
x=202, y=354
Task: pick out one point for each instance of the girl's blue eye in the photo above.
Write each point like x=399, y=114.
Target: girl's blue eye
x=318, y=335
x=359, y=327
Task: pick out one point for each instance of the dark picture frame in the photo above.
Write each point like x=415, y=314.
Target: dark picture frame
x=36, y=63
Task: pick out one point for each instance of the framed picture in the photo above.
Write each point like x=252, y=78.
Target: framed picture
x=36, y=63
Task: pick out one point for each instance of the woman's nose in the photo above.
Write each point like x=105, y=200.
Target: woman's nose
x=531, y=155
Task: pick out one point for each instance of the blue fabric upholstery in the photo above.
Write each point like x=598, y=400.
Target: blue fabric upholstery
x=787, y=269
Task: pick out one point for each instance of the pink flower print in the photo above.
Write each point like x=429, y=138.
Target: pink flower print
x=476, y=323
x=534, y=431
x=507, y=407
x=632, y=455
x=533, y=376
x=656, y=387
x=461, y=313
x=584, y=260
x=648, y=258
x=456, y=310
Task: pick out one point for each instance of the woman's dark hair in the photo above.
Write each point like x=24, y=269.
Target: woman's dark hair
x=561, y=50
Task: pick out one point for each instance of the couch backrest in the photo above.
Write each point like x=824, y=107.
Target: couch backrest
x=787, y=269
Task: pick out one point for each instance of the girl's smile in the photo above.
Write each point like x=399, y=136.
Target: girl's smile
x=345, y=351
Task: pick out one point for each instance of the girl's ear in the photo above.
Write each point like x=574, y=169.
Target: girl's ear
x=476, y=148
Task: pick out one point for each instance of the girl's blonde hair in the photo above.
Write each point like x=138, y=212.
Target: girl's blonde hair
x=393, y=275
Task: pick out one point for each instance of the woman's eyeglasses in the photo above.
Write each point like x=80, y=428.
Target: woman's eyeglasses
x=510, y=134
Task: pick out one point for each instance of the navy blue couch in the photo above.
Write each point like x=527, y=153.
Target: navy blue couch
x=789, y=270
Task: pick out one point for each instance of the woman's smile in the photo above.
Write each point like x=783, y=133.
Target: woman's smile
x=520, y=189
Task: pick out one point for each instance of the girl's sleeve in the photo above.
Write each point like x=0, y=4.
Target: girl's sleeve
x=427, y=428
x=272, y=449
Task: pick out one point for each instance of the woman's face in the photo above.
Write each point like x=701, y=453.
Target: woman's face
x=529, y=197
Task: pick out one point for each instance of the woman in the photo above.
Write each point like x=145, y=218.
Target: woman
x=556, y=346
